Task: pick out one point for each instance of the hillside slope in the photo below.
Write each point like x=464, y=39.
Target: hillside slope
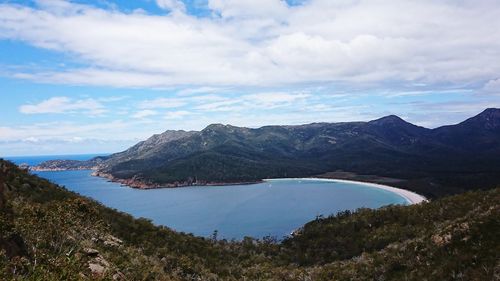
x=49, y=233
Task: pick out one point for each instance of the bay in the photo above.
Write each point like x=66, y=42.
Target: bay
x=273, y=208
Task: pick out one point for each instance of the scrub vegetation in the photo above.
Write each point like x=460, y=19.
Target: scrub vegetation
x=49, y=233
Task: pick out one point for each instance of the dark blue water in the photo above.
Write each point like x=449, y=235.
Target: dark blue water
x=35, y=160
x=272, y=208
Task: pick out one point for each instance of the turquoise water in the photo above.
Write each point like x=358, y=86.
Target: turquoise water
x=272, y=208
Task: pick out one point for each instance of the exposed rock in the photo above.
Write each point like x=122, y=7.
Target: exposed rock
x=98, y=265
x=97, y=269
x=102, y=261
x=112, y=241
x=441, y=240
x=90, y=252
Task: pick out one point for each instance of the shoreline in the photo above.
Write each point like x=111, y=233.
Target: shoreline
x=140, y=184
x=409, y=196
x=35, y=169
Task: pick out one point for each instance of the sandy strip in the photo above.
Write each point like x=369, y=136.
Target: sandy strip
x=410, y=197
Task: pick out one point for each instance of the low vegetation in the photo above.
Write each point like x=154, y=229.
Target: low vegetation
x=49, y=233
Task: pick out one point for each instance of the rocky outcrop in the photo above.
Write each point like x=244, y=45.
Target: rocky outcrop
x=97, y=264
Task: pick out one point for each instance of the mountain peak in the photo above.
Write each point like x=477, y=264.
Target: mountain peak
x=488, y=119
x=388, y=120
x=490, y=113
x=217, y=126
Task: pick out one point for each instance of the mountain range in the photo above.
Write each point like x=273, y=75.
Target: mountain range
x=444, y=160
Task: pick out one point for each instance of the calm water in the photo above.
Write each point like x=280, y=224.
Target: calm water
x=272, y=208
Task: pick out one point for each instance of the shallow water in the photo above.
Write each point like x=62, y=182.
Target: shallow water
x=271, y=208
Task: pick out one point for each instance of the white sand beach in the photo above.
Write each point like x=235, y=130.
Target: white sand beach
x=411, y=197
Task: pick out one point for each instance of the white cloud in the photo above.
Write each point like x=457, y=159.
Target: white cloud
x=221, y=105
x=171, y=5
x=61, y=146
x=31, y=139
x=465, y=108
x=263, y=101
x=274, y=99
x=492, y=87
x=62, y=130
x=249, y=8
x=112, y=98
x=265, y=42
x=144, y=113
x=162, y=103
x=246, y=63
x=177, y=114
x=64, y=105
x=199, y=90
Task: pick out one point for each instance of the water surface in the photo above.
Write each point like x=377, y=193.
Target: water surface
x=272, y=208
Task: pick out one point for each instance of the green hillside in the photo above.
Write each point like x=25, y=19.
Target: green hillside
x=49, y=233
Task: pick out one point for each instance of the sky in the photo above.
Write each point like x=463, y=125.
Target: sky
x=96, y=76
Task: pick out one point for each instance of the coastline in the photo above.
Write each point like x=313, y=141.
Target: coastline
x=140, y=184
x=409, y=196
x=36, y=169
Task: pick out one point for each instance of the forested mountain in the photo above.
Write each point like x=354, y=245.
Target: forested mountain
x=49, y=233
x=437, y=161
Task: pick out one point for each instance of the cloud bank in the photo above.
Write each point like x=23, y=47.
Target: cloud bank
x=264, y=42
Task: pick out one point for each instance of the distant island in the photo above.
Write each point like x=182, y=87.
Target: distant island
x=389, y=150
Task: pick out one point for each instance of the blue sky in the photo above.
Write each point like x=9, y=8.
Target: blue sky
x=98, y=76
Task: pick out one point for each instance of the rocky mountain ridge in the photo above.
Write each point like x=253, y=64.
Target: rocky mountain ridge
x=387, y=147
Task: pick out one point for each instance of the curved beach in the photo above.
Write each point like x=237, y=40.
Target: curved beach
x=409, y=196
